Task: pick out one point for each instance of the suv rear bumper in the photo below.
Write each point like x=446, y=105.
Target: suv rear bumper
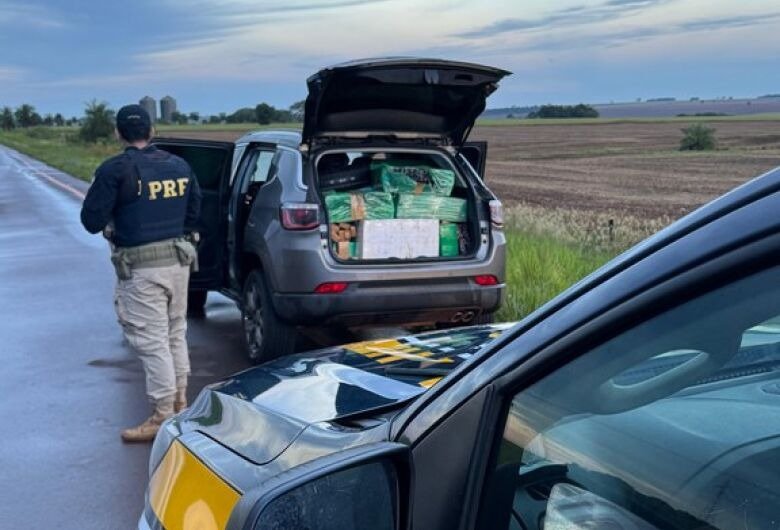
x=392, y=302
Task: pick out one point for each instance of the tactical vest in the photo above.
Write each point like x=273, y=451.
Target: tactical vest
x=161, y=205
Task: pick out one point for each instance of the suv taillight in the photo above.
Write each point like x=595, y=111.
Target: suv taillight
x=300, y=216
x=486, y=280
x=331, y=288
x=496, y=213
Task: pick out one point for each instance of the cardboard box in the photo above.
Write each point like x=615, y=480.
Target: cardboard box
x=398, y=238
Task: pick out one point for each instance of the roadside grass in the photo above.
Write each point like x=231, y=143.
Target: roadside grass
x=539, y=267
x=59, y=147
x=607, y=232
x=548, y=249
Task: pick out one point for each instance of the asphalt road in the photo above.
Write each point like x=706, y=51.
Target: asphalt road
x=68, y=384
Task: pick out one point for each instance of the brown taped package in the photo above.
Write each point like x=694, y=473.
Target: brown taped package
x=342, y=232
x=343, y=249
x=357, y=205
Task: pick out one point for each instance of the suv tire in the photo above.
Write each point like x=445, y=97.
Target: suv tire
x=265, y=334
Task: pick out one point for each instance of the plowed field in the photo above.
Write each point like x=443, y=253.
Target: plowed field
x=615, y=167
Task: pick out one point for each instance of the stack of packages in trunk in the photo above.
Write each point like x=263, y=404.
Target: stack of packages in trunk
x=344, y=208
x=407, y=214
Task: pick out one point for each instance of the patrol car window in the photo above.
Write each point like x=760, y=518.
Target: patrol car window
x=673, y=424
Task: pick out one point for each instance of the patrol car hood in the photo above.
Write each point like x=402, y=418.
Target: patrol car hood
x=259, y=412
x=405, y=97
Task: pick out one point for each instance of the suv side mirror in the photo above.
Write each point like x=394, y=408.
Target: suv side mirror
x=366, y=487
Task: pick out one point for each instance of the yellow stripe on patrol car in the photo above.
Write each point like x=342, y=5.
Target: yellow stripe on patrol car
x=428, y=383
x=422, y=357
x=388, y=351
x=187, y=495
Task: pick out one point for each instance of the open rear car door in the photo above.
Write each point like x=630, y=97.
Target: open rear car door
x=476, y=154
x=211, y=162
x=402, y=97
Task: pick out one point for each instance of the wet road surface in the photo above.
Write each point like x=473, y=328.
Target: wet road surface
x=68, y=383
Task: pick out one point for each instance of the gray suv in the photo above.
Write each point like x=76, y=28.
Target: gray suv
x=376, y=213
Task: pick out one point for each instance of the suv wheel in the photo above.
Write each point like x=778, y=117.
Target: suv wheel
x=266, y=336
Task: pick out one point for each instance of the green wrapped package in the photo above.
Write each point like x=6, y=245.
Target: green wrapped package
x=356, y=206
x=399, y=177
x=448, y=240
x=430, y=206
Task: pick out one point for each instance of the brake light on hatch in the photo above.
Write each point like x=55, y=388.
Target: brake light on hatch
x=331, y=288
x=486, y=280
x=300, y=216
x=496, y=213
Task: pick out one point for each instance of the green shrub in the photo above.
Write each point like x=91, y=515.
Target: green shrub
x=25, y=116
x=698, y=137
x=43, y=133
x=7, y=121
x=98, y=122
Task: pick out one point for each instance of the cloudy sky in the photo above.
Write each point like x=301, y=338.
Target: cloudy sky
x=218, y=55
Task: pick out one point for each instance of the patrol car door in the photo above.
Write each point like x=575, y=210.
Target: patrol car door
x=211, y=162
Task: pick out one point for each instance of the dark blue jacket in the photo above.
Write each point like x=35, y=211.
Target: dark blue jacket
x=149, y=194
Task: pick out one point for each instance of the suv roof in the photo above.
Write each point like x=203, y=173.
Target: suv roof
x=284, y=137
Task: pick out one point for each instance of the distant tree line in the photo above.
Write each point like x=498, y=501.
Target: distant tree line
x=564, y=111
x=98, y=121
x=702, y=114
x=25, y=116
x=97, y=114
x=264, y=114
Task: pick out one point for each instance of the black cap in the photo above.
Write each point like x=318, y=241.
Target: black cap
x=133, y=122
x=132, y=116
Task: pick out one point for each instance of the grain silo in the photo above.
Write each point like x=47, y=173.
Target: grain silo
x=167, y=108
x=150, y=106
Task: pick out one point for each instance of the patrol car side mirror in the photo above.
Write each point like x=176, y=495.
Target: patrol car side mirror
x=365, y=487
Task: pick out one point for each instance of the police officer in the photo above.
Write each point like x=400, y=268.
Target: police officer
x=147, y=202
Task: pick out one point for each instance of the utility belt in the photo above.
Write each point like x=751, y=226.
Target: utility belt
x=178, y=251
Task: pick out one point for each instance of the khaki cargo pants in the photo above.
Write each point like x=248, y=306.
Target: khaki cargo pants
x=152, y=310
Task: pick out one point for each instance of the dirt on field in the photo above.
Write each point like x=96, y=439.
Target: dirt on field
x=633, y=168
